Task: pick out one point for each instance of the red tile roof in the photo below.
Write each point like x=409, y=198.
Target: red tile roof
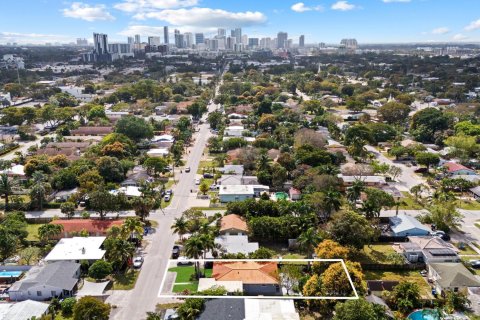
x=90, y=225
x=453, y=166
x=233, y=221
x=249, y=272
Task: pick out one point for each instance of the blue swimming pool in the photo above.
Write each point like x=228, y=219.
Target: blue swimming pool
x=425, y=314
x=10, y=274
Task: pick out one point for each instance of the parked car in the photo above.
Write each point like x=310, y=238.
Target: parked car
x=441, y=234
x=183, y=261
x=197, y=181
x=187, y=169
x=475, y=264
x=167, y=198
x=175, y=252
x=208, y=175
x=137, y=262
x=213, y=187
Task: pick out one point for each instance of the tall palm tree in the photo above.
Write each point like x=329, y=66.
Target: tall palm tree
x=332, y=201
x=308, y=240
x=132, y=227
x=355, y=191
x=49, y=231
x=6, y=188
x=417, y=190
x=194, y=248
x=208, y=243
x=263, y=162
x=180, y=226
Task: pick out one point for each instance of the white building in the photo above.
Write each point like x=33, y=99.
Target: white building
x=77, y=249
x=27, y=309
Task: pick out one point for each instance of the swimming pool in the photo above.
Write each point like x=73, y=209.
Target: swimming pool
x=10, y=274
x=425, y=314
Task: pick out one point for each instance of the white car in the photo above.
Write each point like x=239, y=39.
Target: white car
x=183, y=261
x=197, y=182
x=137, y=262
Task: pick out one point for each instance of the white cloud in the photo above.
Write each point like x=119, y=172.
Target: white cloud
x=79, y=10
x=343, y=6
x=150, y=5
x=474, y=25
x=392, y=1
x=441, y=30
x=205, y=17
x=459, y=37
x=301, y=7
x=36, y=38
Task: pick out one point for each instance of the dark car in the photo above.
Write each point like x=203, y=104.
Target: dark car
x=176, y=252
x=208, y=175
x=475, y=264
x=187, y=169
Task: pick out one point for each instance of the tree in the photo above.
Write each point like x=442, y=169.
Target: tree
x=49, y=231
x=335, y=279
x=154, y=316
x=155, y=165
x=39, y=191
x=329, y=249
x=308, y=240
x=28, y=254
x=290, y=275
x=103, y=202
x=445, y=215
x=68, y=209
x=67, y=306
x=417, y=190
x=394, y=172
x=204, y=188
x=16, y=224
x=180, y=226
x=96, y=112
x=355, y=191
x=427, y=122
x=8, y=243
x=463, y=146
x=90, y=308
x=100, y=269
x=135, y=128
x=427, y=159
x=194, y=248
x=351, y=229
x=358, y=132
x=262, y=253
x=142, y=206
x=110, y=169
x=377, y=199
x=197, y=109
x=359, y=309
x=90, y=180
x=215, y=119
x=132, y=227
x=405, y=296
x=118, y=251
x=190, y=309
x=394, y=112
x=456, y=301
x=6, y=188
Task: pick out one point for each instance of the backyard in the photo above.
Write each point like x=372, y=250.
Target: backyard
x=378, y=253
x=410, y=276
x=184, y=276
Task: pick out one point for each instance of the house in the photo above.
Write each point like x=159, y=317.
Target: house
x=71, y=149
x=233, y=225
x=92, y=131
x=294, y=194
x=58, y=279
x=128, y=191
x=230, y=286
x=158, y=152
x=236, y=244
x=233, y=169
x=64, y=195
x=163, y=138
x=428, y=249
x=456, y=169
x=376, y=287
x=475, y=192
x=16, y=171
x=369, y=181
x=274, y=309
x=221, y=309
x=77, y=249
x=404, y=226
x=234, y=131
x=451, y=276
x=95, y=228
x=28, y=309
x=233, y=179
x=258, y=278
x=137, y=177
x=231, y=193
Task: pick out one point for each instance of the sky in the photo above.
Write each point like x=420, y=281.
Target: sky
x=369, y=21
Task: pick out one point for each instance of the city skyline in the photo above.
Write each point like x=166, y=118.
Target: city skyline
x=369, y=21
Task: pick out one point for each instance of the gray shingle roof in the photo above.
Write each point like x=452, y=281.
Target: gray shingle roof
x=223, y=309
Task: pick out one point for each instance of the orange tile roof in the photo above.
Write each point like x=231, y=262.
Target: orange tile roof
x=90, y=225
x=233, y=221
x=249, y=272
x=453, y=166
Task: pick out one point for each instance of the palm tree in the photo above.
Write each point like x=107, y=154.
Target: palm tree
x=308, y=240
x=49, y=231
x=180, y=226
x=120, y=252
x=208, y=243
x=6, y=188
x=355, y=191
x=263, y=162
x=194, y=248
x=220, y=159
x=332, y=201
x=417, y=190
x=142, y=206
x=131, y=228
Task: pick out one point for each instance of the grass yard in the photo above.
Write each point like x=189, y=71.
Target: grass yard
x=125, y=281
x=409, y=203
x=59, y=316
x=376, y=253
x=466, y=249
x=467, y=259
x=192, y=287
x=468, y=204
x=410, y=276
x=207, y=164
x=32, y=230
x=184, y=276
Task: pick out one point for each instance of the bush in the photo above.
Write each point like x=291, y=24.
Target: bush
x=67, y=306
x=100, y=269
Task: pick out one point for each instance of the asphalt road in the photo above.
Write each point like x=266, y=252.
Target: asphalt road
x=133, y=304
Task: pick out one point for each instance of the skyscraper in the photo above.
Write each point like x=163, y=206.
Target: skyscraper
x=350, y=44
x=82, y=42
x=137, y=39
x=222, y=33
x=131, y=41
x=253, y=42
x=100, y=43
x=153, y=41
x=282, y=38
x=188, y=37
x=301, y=41
x=237, y=34
x=165, y=35
x=199, y=38
x=179, y=40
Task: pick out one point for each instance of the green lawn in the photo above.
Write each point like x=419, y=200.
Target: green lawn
x=184, y=276
x=467, y=259
x=125, y=281
x=468, y=205
x=466, y=250
x=409, y=203
x=192, y=287
x=32, y=230
x=183, y=273
x=410, y=276
x=204, y=164
x=60, y=317
x=376, y=253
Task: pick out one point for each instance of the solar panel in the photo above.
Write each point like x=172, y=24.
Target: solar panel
x=442, y=252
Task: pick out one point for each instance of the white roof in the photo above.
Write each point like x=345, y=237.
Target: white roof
x=366, y=179
x=163, y=137
x=270, y=309
x=235, y=189
x=94, y=289
x=158, y=152
x=22, y=310
x=237, y=244
x=241, y=128
x=129, y=191
x=15, y=170
x=230, y=286
x=77, y=248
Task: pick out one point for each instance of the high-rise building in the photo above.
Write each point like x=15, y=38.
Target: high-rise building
x=188, y=38
x=213, y=44
x=82, y=42
x=137, y=39
x=289, y=44
x=282, y=38
x=245, y=40
x=301, y=41
x=199, y=38
x=237, y=34
x=131, y=41
x=230, y=44
x=153, y=41
x=253, y=42
x=100, y=43
x=120, y=48
x=179, y=39
x=165, y=35
x=349, y=44
x=222, y=33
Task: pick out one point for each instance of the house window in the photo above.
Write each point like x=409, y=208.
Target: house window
x=54, y=293
x=455, y=289
x=39, y=293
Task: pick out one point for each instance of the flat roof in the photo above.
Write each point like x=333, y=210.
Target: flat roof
x=77, y=248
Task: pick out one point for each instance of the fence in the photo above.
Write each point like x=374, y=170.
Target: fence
x=393, y=267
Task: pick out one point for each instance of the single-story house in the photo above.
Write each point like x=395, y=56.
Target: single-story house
x=429, y=249
x=64, y=195
x=376, y=287
x=233, y=179
x=77, y=249
x=369, y=181
x=475, y=192
x=236, y=244
x=393, y=191
x=232, y=225
x=263, y=309
x=136, y=178
x=294, y=194
x=231, y=193
x=16, y=171
x=163, y=138
x=92, y=131
x=258, y=278
x=94, y=227
x=234, y=131
x=404, y=226
x=456, y=169
x=58, y=279
x=129, y=191
x=232, y=169
x=27, y=309
x=158, y=152
x=451, y=276
x=221, y=309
